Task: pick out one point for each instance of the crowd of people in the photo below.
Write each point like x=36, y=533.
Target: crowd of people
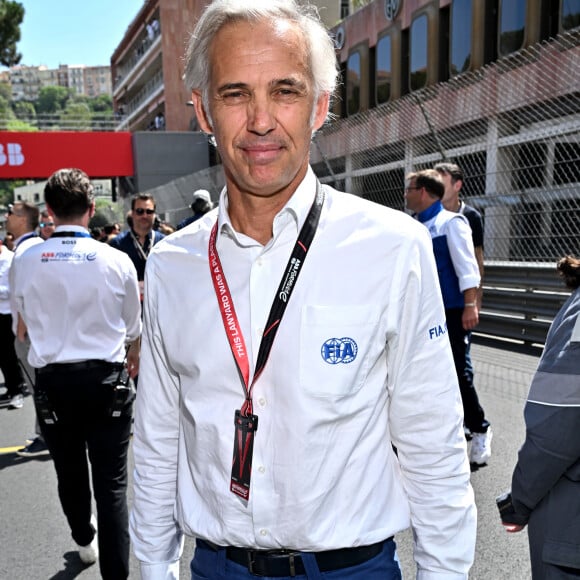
x=351, y=389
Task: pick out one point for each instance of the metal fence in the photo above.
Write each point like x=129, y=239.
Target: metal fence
x=513, y=127
x=64, y=122
x=520, y=302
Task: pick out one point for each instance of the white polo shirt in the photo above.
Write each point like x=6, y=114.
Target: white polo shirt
x=78, y=297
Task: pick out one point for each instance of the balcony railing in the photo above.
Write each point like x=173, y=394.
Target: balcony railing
x=132, y=107
x=142, y=49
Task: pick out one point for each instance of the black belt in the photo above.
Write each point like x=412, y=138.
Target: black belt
x=289, y=563
x=84, y=365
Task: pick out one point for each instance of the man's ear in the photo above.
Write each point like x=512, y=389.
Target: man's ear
x=200, y=112
x=321, y=110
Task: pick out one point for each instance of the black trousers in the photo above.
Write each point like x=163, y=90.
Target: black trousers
x=8, y=359
x=81, y=401
x=460, y=340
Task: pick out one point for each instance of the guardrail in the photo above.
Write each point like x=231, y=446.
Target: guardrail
x=520, y=301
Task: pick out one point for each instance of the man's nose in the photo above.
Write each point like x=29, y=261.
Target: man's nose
x=261, y=117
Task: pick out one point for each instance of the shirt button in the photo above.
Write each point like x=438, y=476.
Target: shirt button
x=259, y=261
x=263, y=532
x=262, y=469
x=262, y=402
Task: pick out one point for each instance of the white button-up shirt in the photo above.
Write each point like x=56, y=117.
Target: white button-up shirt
x=324, y=472
x=79, y=299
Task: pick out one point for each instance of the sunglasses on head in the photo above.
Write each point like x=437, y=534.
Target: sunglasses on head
x=11, y=211
x=141, y=211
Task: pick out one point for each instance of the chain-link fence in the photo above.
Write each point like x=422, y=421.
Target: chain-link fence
x=513, y=127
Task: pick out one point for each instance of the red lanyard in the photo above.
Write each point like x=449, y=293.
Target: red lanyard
x=287, y=284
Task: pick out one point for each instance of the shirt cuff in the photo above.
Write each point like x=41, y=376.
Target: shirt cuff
x=160, y=571
x=430, y=575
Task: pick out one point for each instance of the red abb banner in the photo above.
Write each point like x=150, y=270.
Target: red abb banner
x=38, y=155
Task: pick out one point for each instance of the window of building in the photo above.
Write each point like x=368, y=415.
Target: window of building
x=460, y=53
x=418, y=52
x=353, y=80
x=37, y=197
x=570, y=14
x=383, y=71
x=344, y=8
x=512, y=25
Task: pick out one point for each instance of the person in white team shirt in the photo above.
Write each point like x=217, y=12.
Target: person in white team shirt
x=22, y=221
x=352, y=359
x=13, y=379
x=79, y=300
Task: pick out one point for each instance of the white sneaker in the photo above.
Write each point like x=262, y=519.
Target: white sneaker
x=89, y=554
x=480, y=447
x=17, y=402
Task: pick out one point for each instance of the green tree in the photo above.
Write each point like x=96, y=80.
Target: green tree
x=106, y=212
x=6, y=113
x=52, y=100
x=6, y=91
x=24, y=110
x=7, y=190
x=76, y=117
x=20, y=126
x=11, y=17
x=101, y=104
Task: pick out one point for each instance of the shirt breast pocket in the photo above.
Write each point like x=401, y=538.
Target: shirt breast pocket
x=336, y=345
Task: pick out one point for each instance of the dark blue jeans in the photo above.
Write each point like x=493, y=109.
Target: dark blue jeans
x=460, y=340
x=81, y=401
x=209, y=564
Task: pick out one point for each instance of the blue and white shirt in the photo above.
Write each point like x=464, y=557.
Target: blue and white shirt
x=454, y=254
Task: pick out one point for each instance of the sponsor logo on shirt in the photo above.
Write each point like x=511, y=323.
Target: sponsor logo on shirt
x=70, y=256
x=339, y=350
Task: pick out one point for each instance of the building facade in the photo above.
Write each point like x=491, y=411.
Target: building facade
x=34, y=192
x=492, y=85
x=147, y=65
x=90, y=81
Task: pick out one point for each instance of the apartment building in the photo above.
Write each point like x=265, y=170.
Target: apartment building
x=33, y=192
x=91, y=81
x=147, y=65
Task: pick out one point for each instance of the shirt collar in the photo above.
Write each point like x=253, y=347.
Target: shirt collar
x=71, y=228
x=23, y=237
x=430, y=212
x=296, y=210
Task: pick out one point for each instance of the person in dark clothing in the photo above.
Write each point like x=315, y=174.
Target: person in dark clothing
x=545, y=492
x=202, y=203
x=141, y=237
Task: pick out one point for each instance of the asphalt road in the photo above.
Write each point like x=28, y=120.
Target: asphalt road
x=35, y=542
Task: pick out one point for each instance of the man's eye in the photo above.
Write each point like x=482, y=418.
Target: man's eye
x=234, y=96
